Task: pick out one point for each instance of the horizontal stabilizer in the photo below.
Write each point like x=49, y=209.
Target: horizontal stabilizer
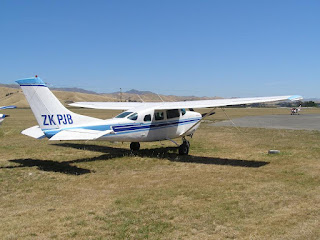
x=80, y=134
x=34, y=132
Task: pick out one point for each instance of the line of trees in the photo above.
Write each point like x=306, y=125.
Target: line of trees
x=296, y=104
x=281, y=104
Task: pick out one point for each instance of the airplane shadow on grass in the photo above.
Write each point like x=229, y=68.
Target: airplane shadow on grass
x=169, y=153
x=49, y=166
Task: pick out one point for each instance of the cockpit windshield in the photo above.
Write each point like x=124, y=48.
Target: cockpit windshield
x=123, y=115
x=133, y=116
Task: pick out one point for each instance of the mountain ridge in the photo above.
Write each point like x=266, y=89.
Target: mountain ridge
x=11, y=94
x=81, y=90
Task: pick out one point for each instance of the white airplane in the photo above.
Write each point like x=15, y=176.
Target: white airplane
x=141, y=122
x=296, y=110
x=3, y=116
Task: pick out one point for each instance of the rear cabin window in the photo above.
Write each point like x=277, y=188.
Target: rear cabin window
x=123, y=115
x=173, y=113
x=147, y=118
x=158, y=116
x=133, y=116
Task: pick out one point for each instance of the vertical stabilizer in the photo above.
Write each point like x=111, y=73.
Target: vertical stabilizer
x=47, y=109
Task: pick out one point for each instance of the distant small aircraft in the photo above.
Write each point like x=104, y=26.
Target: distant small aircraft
x=295, y=110
x=3, y=116
x=140, y=122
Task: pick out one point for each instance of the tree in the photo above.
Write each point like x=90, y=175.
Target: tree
x=309, y=104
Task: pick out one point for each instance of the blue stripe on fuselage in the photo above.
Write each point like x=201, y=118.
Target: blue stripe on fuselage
x=127, y=128
x=152, y=126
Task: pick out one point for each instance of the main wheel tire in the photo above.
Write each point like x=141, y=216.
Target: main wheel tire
x=184, y=149
x=134, y=146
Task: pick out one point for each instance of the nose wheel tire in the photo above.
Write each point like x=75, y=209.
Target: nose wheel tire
x=134, y=146
x=184, y=148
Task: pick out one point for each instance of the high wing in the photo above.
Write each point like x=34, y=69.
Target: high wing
x=184, y=104
x=113, y=105
x=8, y=107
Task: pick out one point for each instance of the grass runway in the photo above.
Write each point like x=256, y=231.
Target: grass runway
x=228, y=188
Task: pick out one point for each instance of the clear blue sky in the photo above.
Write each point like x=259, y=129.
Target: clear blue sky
x=206, y=48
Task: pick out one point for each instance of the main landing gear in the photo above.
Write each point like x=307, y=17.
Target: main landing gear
x=134, y=146
x=184, y=147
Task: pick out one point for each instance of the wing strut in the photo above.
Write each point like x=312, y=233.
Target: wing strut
x=204, y=116
x=173, y=141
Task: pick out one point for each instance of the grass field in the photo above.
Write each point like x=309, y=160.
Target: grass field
x=228, y=188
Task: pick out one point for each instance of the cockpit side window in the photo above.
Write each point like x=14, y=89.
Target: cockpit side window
x=183, y=111
x=123, y=115
x=147, y=118
x=173, y=113
x=158, y=116
x=133, y=116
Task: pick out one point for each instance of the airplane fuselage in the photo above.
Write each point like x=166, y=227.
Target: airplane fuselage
x=141, y=126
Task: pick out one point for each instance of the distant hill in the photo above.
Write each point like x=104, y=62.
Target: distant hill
x=9, y=85
x=148, y=96
x=15, y=96
x=131, y=95
x=79, y=90
x=11, y=94
x=74, y=89
x=134, y=91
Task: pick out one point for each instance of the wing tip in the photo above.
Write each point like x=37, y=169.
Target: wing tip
x=295, y=98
